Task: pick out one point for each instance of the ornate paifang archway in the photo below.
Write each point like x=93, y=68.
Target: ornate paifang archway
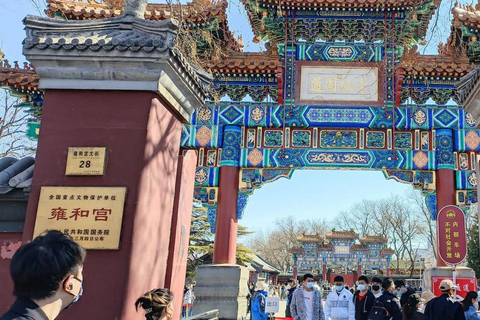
x=432, y=146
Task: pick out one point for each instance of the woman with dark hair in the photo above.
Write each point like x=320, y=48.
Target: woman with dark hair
x=157, y=304
x=410, y=309
x=470, y=305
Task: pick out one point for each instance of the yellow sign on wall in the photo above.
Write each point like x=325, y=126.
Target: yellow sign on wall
x=86, y=161
x=92, y=216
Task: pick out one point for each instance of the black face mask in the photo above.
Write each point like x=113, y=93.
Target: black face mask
x=375, y=288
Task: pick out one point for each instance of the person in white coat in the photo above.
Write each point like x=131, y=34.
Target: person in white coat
x=339, y=304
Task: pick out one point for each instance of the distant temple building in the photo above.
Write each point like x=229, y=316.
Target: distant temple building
x=342, y=252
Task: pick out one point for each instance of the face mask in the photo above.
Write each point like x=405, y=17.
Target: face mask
x=395, y=292
x=339, y=288
x=310, y=285
x=475, y=305
x=361, y=287
x=288, y=287
x=399, y=292
x=75, y=300
x=375, y=288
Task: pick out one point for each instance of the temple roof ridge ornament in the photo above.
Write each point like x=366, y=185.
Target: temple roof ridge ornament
x=373, y=239
x=334, y=234
x=310, y=238
x=194, y=14
x=121, y=53
x=135, y=8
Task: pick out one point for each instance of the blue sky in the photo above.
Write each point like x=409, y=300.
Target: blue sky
x=310, y=193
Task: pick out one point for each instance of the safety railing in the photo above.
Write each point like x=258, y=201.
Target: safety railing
x=209, y=315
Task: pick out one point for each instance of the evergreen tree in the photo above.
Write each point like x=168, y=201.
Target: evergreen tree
x=473, y=256
x=202, y=240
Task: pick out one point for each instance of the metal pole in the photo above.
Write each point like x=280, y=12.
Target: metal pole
x=455, y=280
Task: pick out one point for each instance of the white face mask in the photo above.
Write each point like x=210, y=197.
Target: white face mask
x=475, y=305
x=288, y=287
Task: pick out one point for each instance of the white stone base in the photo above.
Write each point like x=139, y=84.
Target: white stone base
x=222, y=287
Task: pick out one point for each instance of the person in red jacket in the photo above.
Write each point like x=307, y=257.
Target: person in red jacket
x=363, y=299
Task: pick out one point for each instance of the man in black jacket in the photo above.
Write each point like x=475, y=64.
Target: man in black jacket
x=291, y=289
x=445, y=307
x=389, y=301
x=403, y=291
x=363, y=299
x=47, y=277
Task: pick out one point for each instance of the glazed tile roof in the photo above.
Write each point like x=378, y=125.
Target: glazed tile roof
x=193, y=11
x=139, y=37
x=404, y=4
x=467, y=14
x=388, y=251
x=373, y=239
x=309, y=238
x=334, y=234
x=16, y=174
x=466, y=85
x=296, y=250
x=246, y=62
x=19, y=79
x=442, y=65
x=197, y=12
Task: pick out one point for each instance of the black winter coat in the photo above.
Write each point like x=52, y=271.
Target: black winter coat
x=362, y=308
x=444, y=308
x=416, y=315
x=391, y=303
x=404, y=297
x=24, y=310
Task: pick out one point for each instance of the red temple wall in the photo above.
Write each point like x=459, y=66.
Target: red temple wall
x=142, y=138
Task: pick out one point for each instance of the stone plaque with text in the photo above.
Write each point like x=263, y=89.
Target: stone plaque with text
x=86, y=161
x=92, y=216
x=346, y=84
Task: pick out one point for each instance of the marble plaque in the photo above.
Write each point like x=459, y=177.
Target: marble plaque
x=337, y=84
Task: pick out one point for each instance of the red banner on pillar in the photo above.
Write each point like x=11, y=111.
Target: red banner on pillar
x=464, y=285
x=452, y=235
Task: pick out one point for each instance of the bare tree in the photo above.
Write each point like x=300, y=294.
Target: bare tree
x=13, y=120
x=358, y=218
x=275, y=246
x=418, y=202
x=394, y=218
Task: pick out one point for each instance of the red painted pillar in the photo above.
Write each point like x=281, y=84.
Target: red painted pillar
x=359, y=270
x=445, y=181
x=295, y=273
x=324, y=272
x=388, y=272
x=225, y=247
x=180, y=230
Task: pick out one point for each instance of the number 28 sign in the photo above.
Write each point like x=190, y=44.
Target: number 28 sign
x=452, y=238
x=86, y=161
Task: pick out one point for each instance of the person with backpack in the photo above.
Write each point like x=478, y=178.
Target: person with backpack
x=258, y=301
x=445, y=307
x=363, y=299
x=387, y=305
x=339, y=304
x=411, y=309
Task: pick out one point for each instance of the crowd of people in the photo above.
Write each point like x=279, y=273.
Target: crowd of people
x=371, y=299
x=47, y=275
